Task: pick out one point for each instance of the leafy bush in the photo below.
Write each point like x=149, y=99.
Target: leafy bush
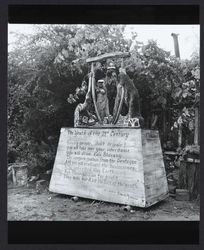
x=45, y=67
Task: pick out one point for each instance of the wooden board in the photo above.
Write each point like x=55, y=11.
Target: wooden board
x=102, y=164
x=108, y=55
x=156, y=186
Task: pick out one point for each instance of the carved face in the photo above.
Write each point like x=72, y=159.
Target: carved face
x=100, y=83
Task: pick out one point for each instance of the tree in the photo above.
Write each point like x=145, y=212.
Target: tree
x=43, y=69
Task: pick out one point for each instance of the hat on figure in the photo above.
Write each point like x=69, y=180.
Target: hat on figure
x=111, y=66
x=101, y=81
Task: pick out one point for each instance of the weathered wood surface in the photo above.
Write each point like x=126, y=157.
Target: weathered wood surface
x=189, y=177
x=19, y=174
x=193, y=180
x=182, y=195
x=156, y=187
x=107, y=55
x=109, y=165
x=196, y=131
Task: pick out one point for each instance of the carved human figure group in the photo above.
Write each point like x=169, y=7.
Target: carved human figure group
x=109, y=94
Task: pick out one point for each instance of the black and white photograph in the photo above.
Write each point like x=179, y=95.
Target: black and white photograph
x=103, y=122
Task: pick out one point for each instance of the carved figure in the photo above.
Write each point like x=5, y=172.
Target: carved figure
x=83, y=114
x=111, y=82
x=102, y=99
x=106, y=98
x=128, y=94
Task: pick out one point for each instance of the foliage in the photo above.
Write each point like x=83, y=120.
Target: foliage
x=186, y=95
x=167, y=84
x=46, y=67
x=43, y=69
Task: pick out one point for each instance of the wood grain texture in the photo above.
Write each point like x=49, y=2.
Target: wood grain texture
x=189, y=176
x=107, y=165
x=108, y=55
x=156, y=187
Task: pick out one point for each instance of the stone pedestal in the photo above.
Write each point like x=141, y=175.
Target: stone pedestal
x=120, y=165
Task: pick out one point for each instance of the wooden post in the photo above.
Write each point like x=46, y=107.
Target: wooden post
x=193, y=177
x=122, y=63
x=93, y=93
x=179, y=135
x=196, y=126
x=14, y=176
x=189, y=174
x=164, y=125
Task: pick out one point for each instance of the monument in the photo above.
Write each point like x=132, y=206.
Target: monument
x=107, y=156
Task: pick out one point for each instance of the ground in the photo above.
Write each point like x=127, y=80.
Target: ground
x=30, y=205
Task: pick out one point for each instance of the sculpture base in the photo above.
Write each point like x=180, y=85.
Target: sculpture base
x=123, y=122
x=120, y=165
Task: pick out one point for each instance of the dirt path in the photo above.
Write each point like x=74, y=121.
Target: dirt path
x=27, y=204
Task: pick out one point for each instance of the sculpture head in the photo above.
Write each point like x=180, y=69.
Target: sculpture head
x=100, y=83
x=122, y=70
x=111, y=66
x=111, y=70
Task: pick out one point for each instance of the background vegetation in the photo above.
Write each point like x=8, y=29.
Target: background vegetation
x=45, y=67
